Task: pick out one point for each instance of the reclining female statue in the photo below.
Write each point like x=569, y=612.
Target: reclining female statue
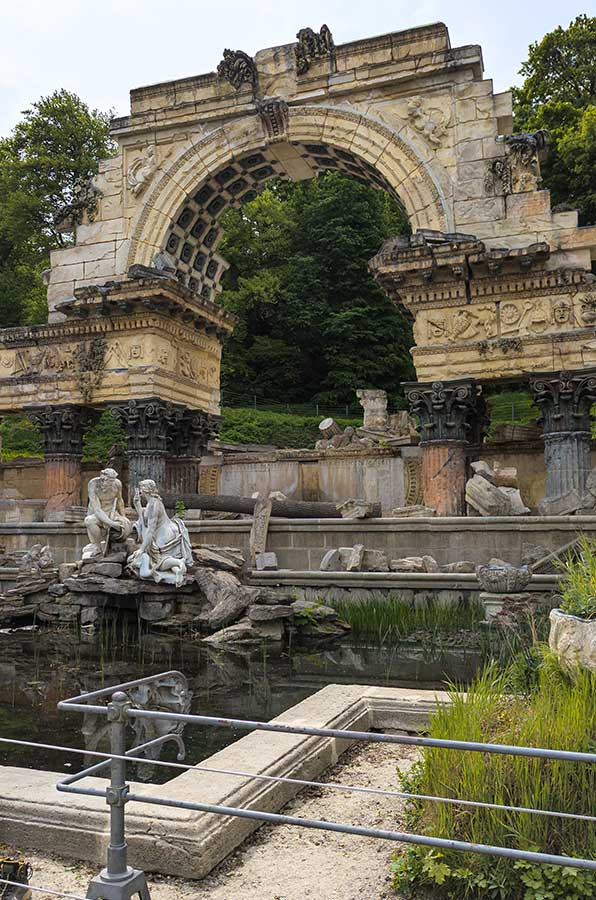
x=165, y=551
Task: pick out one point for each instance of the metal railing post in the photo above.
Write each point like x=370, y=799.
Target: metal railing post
x=116, y=794
x=118, y=881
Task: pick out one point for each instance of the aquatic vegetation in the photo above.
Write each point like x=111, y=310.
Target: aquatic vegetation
x=559, y=712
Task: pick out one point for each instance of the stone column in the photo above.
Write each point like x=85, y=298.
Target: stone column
x=62, y=428
x=191, y=432
x=148, y=425
x=565, y=399
x=449, y=413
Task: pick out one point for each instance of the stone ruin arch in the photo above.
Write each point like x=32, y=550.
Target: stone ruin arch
x=183, y=221
x=499, y=286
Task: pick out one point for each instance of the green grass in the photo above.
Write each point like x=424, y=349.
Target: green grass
x=392, y=618
x=559, y=712
x=578, y=587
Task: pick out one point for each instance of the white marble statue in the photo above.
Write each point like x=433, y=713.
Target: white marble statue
x=165, y=550
x=106, y=514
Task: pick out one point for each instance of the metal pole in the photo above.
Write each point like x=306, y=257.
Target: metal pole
x=118, y=881
x=116, y=793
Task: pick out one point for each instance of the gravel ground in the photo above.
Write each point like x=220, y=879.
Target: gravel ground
x=286, y=862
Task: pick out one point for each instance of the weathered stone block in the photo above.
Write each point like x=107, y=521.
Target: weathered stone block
x=269, y=613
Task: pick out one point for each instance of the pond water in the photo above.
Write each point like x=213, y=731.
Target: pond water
x=39, y=668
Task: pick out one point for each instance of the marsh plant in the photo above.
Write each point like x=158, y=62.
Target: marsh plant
x=558, y=712
x=578, y=587
x=393, y=618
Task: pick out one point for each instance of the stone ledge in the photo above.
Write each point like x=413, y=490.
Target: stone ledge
x=189, y=844
x=395, y=580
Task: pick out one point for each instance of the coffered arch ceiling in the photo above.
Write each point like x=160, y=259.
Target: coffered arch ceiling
x=207, y=180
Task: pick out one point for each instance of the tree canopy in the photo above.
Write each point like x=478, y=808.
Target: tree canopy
x=313, y=323
x=559, y=94
x=44, y=165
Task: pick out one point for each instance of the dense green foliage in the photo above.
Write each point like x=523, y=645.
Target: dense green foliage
x=19, y=438
x=559, y=94
x=578, y=586
x=44, y=165
x=313, y=322
x=560, y=712
x=251, y=426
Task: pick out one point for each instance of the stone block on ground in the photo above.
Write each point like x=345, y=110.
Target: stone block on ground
x=430, y=564
x=313, y=611
x=331, y=561
x=506, y=476
x=408, y=564
x=375, y=561
x=242, y=630
x=355, y=509
x=356, y=558
x=216, y=559
x=412, y=512
x=269, y=631
x=564, y=505
x=461, y=566
x=266, y=562
x=271, y=597
x=227, y=596
x=480, y=467
x=261, y=613
x=100, y=567
x=486, y=499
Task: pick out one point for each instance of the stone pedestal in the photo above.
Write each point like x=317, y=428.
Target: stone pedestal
x=565, y=399
x=449, y=414
x=62, y=428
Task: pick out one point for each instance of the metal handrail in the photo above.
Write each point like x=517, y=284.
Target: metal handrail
x=119, y=882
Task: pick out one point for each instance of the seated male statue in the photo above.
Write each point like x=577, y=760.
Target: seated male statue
x=106, y=514
x=165, y=551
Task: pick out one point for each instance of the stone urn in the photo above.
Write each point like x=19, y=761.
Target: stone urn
x=573, y=640
x=503, y=579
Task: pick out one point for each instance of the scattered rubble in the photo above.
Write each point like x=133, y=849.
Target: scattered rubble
x=493, y=491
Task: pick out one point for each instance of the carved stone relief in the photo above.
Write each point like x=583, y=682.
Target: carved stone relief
x=274, y=116
x=430, y=121
x=519, y=169
x=312, y=46
x=141, y=171
x=238, y=68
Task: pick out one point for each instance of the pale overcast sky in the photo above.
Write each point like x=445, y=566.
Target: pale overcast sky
x=101, y=48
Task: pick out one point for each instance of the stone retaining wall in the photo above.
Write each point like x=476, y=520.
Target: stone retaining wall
x=301, y=543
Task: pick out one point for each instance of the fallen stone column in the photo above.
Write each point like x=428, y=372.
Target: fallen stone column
x=287, y=509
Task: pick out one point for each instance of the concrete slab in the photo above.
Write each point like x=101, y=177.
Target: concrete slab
x=33, y=815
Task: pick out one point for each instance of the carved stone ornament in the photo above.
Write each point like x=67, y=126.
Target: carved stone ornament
x=430, y=121
x=141, y=171
x=274, y=116
x=62, y=427
x=565, y=400
x=312, y=46
x=191, y=431
x=147, y=423
x=238, y=68
x=84, y=204
x=90, y=366
x=519, y=169
x=447, y=410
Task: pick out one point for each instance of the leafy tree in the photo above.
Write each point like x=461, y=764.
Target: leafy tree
x=313, y=323
x=45, y=165
x=559, y=93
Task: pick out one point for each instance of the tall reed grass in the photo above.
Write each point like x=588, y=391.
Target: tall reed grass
x=560, y=713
